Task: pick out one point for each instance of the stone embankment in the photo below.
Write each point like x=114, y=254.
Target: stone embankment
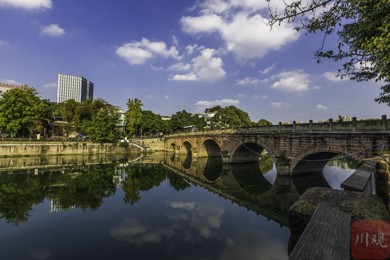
x=61, y=148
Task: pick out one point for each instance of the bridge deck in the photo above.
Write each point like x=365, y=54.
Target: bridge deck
x=327, y=236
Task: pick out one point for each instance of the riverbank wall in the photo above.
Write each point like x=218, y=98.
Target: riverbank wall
x=10, y=149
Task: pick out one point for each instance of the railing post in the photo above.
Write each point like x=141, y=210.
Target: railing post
x=294, y=126
x=280, y=126
x=330, y=125
x=267, y=128
x=384, y=123
x=354, y=125
x=310, y=126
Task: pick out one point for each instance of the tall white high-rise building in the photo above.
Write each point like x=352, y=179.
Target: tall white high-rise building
x=73, y=87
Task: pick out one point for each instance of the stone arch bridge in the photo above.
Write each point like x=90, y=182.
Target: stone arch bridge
x=293, y=148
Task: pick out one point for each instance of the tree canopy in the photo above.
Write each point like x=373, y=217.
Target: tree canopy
x=230, y=117
x=102, y=127
x=363, y=30
x=133, y=115
x=22, y=111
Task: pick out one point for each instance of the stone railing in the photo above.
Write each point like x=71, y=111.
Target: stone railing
x=375, y=125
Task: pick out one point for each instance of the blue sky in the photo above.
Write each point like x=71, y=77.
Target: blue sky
x=179, y=54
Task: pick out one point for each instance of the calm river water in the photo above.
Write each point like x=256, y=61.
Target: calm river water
x=151, y=208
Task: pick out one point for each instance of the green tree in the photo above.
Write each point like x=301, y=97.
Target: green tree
x=152, y=123
x=363, y=30
x=180, y=120
x=263, y=122
x=198, y=121
x=66, y=112
x=102, y=127
x=133, y=116
x=21, y=111
x=230, y=117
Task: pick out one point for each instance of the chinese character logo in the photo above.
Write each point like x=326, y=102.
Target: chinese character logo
x=370, y=239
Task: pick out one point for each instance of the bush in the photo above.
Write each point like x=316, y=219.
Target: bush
x=123, y=144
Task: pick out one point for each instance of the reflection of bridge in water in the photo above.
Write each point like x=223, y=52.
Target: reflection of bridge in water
x=245, y=185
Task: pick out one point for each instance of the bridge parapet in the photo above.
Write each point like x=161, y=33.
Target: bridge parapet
x=355, y=125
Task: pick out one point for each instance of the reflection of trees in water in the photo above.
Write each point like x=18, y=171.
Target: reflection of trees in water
x=266, y=163
x=18, y=195
x=84, y=187
x=141, y=177
x=345, y=163
x=176, y=181
x=86, y=190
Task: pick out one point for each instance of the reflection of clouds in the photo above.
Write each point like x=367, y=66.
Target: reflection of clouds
x=40, y=253
x=253, y=245
x=202, y=217
x=133, y=232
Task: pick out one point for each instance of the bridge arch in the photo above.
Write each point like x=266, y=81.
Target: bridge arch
x=186, y=148
x=314, y=160
x=246, y=152
x=209, y=148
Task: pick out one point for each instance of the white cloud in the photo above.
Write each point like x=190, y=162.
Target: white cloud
x=28, y=4
x=280, y=104
x=260, y=97
x=11, y=81
x=53, y=30
x=185, y=77
x=250, y=81
x=292, y=81
x=51, y=85
x=180, y=67
x=192, y=48
x=202, y=104
x=225, y=6
x=202, y=24
x=240, y=95
x=322, y=107
x=205, y=67
x=175, y=40
x=250, y=37
x=332, y=77
x=157, y=68
x=137, y=53
x=246, y=34
x=268, y=69
x=247, y=81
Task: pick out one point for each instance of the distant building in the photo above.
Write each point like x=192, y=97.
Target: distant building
x=4, y=87
x=73, y=87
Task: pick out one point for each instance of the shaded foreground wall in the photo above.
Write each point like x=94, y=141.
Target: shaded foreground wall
x=61, y=148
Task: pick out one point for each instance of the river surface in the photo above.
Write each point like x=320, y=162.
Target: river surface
x=149, y=208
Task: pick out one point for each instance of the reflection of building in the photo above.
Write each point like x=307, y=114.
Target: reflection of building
x=121, y=125
x=5, y=87
x=73, y=87
x=55, y=207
